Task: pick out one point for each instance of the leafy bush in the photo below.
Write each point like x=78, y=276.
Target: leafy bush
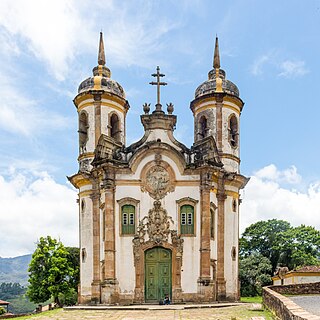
x=2, y=310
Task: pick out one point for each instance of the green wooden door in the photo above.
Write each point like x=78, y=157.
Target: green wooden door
x=157, y=273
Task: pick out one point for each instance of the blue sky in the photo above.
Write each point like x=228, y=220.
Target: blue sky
x=270, y=49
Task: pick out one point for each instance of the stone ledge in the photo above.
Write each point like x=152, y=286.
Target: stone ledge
x=154, y=307
x=283, y=307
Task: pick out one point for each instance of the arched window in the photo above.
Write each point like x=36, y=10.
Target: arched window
x=128, y=215
x=115, y=127
x=233, y=131
x=83, y=131
x=187, y=216
x=187, y=219
x=128, y=219
x=203, y=127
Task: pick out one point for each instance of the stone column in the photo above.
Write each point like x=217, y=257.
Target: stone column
x=110, y=284
x=221, y=282
x=95, y=285
x=205, y=282
x=97, y=117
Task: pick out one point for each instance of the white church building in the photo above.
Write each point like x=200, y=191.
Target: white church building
x=157, y=217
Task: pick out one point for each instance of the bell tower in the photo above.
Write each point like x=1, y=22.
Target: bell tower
x=102, y=110
x=216, y=110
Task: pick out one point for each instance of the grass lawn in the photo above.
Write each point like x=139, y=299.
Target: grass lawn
x=257, y=299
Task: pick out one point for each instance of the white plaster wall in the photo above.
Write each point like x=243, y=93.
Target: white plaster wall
x=190, y=264
x=306, y=279
x=125, y=271
x=231, y=239
x=161, y=134
x=288, y=280
x=277, y=282
x=86, y=268
x=102, y=219
x=230, y=165
x=213, y=242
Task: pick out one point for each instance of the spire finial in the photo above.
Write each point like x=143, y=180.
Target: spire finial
x=216, y=58
x=101, y=55
x=158, y=83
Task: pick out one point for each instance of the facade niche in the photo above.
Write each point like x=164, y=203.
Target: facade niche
x=233, y=131
x=83, y=131
x=114, y=126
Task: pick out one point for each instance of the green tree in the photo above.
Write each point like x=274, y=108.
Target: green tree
x=51, y=271
x=264, y=237
x=74, y=258
x=254, y=274
x=300, y=246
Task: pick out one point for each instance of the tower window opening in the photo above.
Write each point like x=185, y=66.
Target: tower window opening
x=115, y=127
x=83, y=132
x=233, y=131
x=203, y=124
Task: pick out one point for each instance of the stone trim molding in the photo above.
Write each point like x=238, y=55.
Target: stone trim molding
x=283, y=307
x=193, y=203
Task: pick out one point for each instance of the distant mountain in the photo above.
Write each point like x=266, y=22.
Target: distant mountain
x=15, y=269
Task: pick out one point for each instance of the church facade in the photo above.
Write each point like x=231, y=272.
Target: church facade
x=157, y=217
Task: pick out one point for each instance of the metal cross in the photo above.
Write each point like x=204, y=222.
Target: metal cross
x=158, y=83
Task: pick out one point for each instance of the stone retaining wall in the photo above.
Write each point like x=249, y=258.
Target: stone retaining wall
x=302, y=288
x=283, y=307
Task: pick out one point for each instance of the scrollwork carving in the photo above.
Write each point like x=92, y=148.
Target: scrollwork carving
x=155, y=229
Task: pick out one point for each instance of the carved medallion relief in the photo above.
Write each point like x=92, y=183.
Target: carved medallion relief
x=157, y=178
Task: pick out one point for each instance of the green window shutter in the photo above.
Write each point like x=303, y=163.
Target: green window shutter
x=187, y=219
x=128, y=219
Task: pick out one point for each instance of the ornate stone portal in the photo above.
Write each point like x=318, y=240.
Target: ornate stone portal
x=154, y=230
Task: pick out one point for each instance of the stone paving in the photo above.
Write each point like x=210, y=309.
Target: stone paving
x=240, y=312
x=310, y=303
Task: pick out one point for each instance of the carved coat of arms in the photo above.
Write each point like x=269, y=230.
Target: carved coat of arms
x=157, y=182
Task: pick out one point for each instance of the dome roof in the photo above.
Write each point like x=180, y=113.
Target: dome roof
x=106, y=84
x=101, y=77
x=209, y=86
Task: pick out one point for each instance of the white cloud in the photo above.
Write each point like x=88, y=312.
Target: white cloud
x=265, y=198
x=49, y=29
x=271, y=172
x=56, y=31
x=258, y=64
x=23, y=115
x=284, y=68
x=292, y=69
x=34, y=205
